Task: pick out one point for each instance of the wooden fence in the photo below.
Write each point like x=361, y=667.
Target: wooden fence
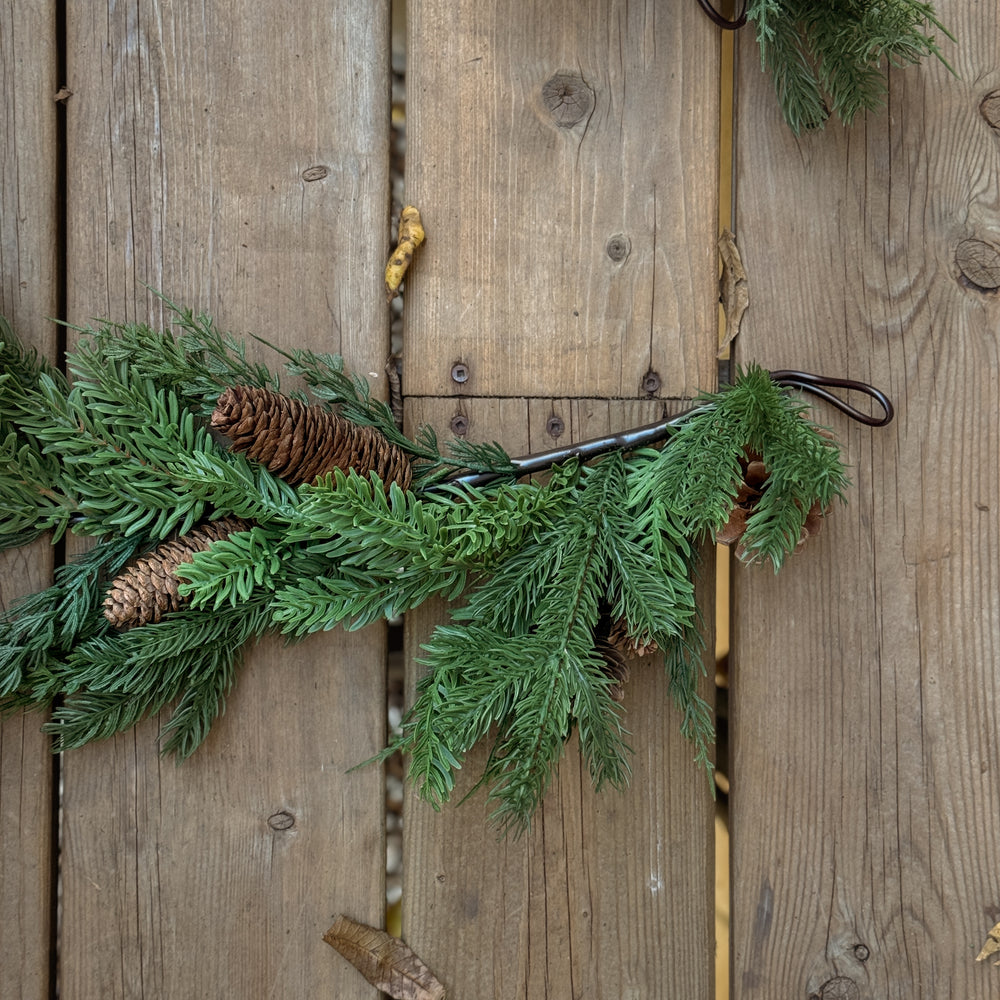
x=566, y=158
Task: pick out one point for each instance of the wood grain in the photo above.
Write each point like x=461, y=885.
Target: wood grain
x=29, y=296
x=234, y=157
x=864, y=703
x=564, y=158
x=609, y=895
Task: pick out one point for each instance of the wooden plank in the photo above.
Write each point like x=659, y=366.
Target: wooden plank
x=564, y=158
x=610, y=893
x=235, y=157
x=864, y=707
x=558, y=154
x=29, y=295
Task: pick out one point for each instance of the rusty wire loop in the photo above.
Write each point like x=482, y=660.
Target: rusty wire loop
x=721, y=20
x=639, y=437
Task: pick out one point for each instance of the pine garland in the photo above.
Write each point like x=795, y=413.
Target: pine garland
x=827, y=55
x=554, y=586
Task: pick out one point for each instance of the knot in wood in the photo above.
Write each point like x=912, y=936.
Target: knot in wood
x=568, y=99
x=619, y=247
x=838, y=988
x=990, y=109
x=281, y=820
x=316, y=173
x=979, y=263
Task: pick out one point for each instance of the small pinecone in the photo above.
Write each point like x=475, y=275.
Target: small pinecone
x=147, y=588
x=615, y=666
x=299, y=443
x=616, y=647
x=752, y=487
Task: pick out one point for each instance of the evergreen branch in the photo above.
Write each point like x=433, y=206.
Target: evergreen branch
x=232, y=569
x=40, y=629
x=197, y=366
x=685, y=665
x=115, y=679
x=814, y=48
x=386, y=553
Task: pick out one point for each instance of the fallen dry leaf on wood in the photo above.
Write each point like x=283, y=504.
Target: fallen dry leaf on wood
x=411, y=235
x=733, y=287
x=383, y=960
x=992, y=945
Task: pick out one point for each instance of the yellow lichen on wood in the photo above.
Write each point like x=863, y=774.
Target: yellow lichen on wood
x=411, y=235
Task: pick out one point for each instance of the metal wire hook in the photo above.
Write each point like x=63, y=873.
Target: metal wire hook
x=818, y=386
x=723, y=21
x=638, y=437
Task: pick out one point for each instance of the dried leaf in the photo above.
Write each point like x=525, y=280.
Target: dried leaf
x=383, y=960
x=992, y=945
x=411, y=235
x=733, y=287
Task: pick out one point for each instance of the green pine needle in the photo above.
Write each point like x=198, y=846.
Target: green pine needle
x=829, y=55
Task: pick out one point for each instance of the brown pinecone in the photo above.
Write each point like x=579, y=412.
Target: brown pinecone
x=752, y=487
x=299, y=443
x=147, y=588
x=616, y=647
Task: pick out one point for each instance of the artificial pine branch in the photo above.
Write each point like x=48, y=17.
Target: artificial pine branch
x=548, y=571
x=827, y=56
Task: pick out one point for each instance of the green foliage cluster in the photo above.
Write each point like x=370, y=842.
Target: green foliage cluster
x=121, y=451
x=820, y=51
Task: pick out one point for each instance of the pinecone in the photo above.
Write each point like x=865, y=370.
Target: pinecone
x=751, y=489
x=147, y=588
x=299, y=443
x=616, y=647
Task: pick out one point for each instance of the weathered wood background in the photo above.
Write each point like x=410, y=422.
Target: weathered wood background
x=566, y=158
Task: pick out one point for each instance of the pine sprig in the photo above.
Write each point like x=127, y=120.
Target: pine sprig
x=40, y=629
x=117, y=678
x=386, y=552
x=829, y=55
x=533, y=681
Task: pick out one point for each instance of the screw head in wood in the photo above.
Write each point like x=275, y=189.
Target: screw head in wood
x=459, y=425
x=555, y=426
x=651, y=382
x=459, y=372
